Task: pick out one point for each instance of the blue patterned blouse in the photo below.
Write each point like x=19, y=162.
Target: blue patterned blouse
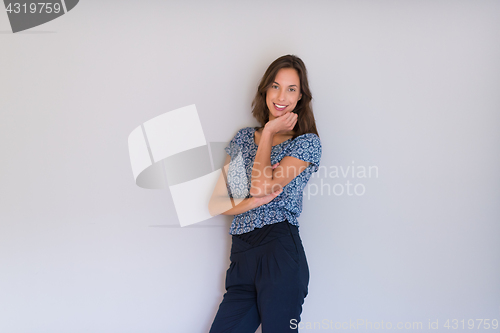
x=287, y=205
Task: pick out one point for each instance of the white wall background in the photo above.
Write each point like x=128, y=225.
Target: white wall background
x=410, y=87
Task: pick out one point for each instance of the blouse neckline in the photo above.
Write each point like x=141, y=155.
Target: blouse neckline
x=256, y=145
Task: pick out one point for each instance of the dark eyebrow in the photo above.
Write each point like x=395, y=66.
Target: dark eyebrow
x=292, y=85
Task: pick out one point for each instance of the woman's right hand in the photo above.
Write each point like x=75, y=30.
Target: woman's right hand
x=267, y=198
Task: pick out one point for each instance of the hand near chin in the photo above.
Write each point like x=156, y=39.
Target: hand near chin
x=282, y=124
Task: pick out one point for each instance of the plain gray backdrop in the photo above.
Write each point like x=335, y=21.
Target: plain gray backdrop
x=408, y=87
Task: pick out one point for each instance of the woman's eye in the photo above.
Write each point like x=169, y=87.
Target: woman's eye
x=275, y=87
x=291, y=89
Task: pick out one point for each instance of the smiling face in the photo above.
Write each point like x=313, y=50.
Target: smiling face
x=284, y=93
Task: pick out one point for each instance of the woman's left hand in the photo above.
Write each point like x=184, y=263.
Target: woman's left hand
x=283, y=123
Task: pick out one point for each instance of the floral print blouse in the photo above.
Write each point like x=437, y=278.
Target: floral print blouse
x=287, y=205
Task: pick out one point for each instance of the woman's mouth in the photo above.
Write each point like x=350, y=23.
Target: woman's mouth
x=279, y=107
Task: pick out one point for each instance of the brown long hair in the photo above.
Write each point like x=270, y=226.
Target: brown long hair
x=305, y=121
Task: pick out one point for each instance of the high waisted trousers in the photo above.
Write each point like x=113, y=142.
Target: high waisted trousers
x=265, y=282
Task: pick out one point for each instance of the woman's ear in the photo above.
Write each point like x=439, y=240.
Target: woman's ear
x=300, y=97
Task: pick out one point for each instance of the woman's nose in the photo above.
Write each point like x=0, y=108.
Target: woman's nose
x=281, y=95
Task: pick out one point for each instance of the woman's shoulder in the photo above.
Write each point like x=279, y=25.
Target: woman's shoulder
x=312, y=138
x=243, y=134
x=245, y=130
x=309, y=142
x=249, y=129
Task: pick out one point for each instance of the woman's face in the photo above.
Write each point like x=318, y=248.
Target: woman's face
x=284, y=93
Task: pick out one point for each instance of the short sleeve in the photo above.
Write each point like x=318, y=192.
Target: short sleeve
x=233, y=147
x=237, y=180
x=306, y=147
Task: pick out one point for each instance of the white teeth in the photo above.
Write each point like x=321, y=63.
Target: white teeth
x=280, y=106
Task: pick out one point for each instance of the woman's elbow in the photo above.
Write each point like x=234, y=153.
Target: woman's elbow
x=211, y=208
x=219, y=206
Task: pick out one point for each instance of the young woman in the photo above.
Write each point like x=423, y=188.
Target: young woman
x=267, y=169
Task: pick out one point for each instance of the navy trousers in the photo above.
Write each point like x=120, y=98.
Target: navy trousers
x=265, y=282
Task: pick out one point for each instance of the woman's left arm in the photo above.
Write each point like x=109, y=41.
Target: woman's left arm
x=265, y=179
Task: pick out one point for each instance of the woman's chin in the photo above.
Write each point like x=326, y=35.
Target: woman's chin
x=277, y=113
